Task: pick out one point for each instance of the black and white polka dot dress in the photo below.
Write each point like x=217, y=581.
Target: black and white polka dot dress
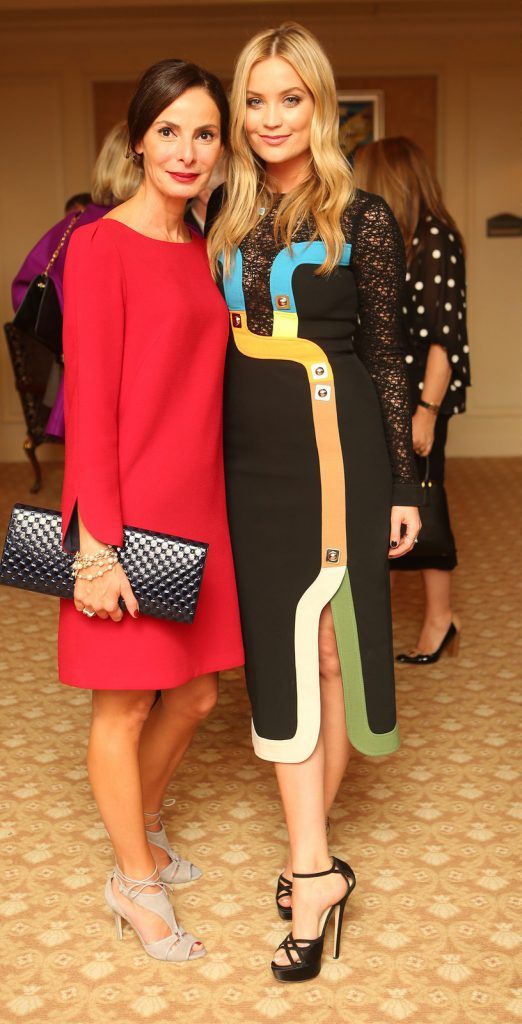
x=434, y=313
x=434, y=310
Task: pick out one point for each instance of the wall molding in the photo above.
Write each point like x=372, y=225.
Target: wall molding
x=490, y=432
x=447, y=14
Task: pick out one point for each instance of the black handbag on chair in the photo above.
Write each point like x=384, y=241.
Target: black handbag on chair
x=39, y=315
x=435, y=538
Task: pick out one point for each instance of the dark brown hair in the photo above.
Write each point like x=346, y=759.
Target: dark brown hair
x=396, y=169
x=163, y=83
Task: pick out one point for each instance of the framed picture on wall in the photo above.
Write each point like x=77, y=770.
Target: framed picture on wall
x=361, y=119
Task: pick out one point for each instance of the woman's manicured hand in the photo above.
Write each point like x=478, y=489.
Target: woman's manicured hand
x=423, y=430
x=407, y=516
x=102, y=595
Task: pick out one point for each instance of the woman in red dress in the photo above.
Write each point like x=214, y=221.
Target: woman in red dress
x=145, y=334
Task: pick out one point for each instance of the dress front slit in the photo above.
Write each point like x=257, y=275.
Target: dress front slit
x=287, y=346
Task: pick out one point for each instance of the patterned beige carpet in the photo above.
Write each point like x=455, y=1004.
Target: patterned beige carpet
x=433, y=931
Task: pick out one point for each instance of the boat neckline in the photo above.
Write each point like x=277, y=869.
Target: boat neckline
x=161, y=241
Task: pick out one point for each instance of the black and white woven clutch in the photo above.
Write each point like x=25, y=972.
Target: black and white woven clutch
x=165, y=572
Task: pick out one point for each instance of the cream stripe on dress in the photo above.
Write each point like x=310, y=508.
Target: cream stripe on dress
x=302, y=743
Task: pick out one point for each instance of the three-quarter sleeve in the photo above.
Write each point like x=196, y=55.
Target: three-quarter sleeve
x=437, y=283
x=93, y=342
x=379, y=270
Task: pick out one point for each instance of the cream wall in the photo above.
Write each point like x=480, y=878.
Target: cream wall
x=49, y=61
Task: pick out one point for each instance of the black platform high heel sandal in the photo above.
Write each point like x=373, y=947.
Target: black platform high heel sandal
x=284, y=888
x=305, y=955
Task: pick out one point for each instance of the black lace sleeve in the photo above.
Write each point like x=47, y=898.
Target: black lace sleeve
x=379, y=270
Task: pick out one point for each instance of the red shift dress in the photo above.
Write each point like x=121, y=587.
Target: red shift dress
x=145, y=335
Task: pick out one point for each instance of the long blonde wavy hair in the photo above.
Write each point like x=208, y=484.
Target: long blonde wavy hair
x=327, y=190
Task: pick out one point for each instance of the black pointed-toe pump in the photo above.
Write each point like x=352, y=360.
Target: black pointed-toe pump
x=450, y=643
x=305, y=955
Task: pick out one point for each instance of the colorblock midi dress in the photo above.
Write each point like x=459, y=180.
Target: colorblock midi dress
x=317, y=449
x=145, y=337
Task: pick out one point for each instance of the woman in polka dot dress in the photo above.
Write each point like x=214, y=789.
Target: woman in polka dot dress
x=435, y=347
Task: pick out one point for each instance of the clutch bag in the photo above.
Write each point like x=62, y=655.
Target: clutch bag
x=165, y=572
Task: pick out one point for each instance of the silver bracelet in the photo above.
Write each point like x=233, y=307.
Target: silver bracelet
x=96, y=575
x=106, y=558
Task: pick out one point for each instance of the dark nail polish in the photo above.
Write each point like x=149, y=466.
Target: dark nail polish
x=394, y=543
x=136, y=614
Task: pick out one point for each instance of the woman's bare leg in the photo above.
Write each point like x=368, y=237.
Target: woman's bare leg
x=437, y=610
x=118, y=718
x=113, y=764
x=333, y=711
x=307, y=790
x=168, y=732
x=336, y=742
x=302, y=793
x=166, y=737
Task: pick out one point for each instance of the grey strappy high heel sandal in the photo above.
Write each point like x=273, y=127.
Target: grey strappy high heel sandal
x=176, y=947
x=179, y=870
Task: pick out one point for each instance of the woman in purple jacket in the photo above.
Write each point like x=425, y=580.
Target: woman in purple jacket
x=114, y=180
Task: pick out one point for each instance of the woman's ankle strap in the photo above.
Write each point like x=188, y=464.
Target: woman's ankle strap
x=138, y=884
x=315, y=874
x=152, y=818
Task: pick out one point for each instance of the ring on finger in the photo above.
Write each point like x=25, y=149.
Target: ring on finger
x=85, y=611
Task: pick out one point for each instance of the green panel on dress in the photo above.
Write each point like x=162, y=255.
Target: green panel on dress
x=359, y=732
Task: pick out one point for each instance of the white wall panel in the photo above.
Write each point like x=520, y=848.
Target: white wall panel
x=496, y=302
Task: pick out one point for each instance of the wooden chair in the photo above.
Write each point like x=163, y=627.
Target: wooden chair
x=36, y=373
